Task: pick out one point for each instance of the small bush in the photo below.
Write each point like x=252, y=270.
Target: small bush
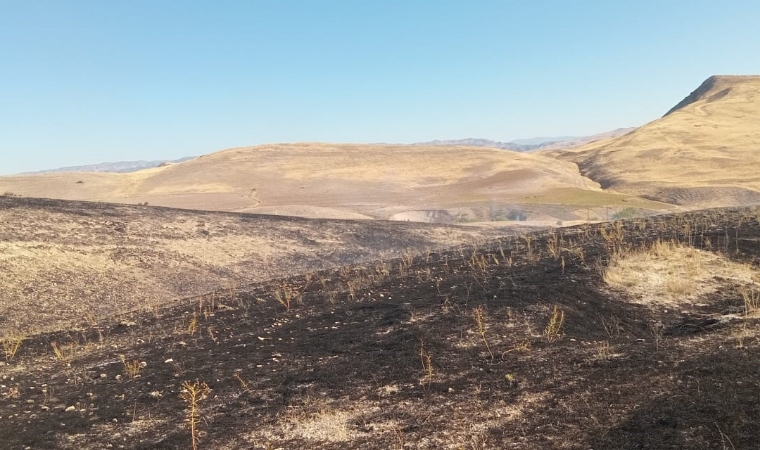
x=751, y=301
x=131, y=368
x=11, y=343
x=553, y=330
x=193, y=394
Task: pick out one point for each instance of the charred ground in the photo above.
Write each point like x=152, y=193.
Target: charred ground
x=73, y=262
x=450, y=349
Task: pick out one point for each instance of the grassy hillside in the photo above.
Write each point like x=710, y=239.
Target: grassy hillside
x=702, y=153
x=420, y=183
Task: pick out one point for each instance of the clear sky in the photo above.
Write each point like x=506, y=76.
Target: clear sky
x=84, y=82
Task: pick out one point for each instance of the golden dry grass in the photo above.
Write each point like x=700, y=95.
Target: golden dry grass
x=702, y=154
x=671, y=274
x=336, y=181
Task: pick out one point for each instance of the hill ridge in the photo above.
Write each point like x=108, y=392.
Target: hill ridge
x=704, y=88
x=701, y=154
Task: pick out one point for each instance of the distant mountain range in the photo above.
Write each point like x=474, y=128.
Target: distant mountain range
x=527, y=145
x=116, y=167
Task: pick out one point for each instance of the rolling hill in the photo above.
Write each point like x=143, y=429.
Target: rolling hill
x=417, y=183
x=704, y=152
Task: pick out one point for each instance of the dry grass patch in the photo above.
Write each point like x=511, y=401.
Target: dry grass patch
x=670, y=274
x=317, y=420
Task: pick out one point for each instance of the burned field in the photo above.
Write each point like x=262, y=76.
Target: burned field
x=530, y=341
x=71, y=262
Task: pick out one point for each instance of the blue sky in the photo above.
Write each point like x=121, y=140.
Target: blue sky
x=91, y=81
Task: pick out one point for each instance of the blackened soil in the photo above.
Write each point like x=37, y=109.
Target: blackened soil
x=345, y=366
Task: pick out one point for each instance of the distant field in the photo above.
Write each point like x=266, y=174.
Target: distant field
x=580, y=197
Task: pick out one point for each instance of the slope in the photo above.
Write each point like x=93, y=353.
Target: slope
x=55, y=253
x=704, y=152
x=512, y=344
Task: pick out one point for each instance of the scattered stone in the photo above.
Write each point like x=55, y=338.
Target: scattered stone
x=70, y=408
